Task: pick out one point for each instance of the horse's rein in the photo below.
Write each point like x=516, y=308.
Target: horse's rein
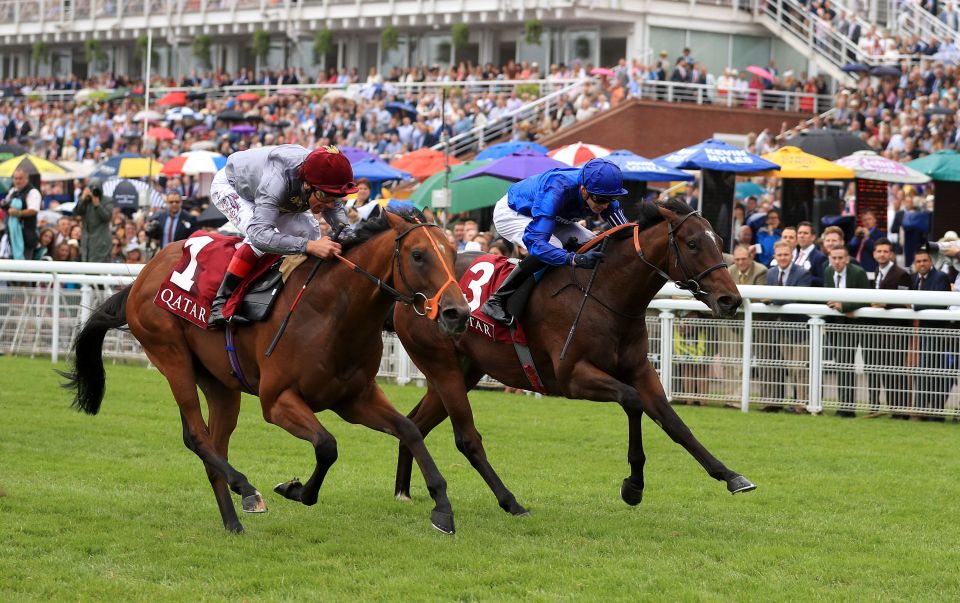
x=691, y=284
x=431, y=305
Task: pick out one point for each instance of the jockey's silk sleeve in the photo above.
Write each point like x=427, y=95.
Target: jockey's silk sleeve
x=614, y=215
x=263, y=232
x=536, y=238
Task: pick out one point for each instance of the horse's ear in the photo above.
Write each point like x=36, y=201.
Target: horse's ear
x=376, y=213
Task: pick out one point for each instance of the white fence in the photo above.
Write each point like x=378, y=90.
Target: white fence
x=801, y=355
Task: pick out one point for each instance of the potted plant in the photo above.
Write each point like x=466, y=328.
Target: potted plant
x=322, y=44
x=532, y=32
x=390, y=38
x=201, y=49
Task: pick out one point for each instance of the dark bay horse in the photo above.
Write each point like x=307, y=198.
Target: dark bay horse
x=607, y=360
x=327, y=359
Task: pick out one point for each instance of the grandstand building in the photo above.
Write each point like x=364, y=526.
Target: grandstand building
x=62, y=37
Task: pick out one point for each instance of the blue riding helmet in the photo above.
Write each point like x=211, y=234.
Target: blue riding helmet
x=602, y=178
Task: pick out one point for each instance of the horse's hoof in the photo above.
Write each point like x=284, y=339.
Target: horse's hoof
x=234, y=528
x=290, y=490
x=403, y=496
x=516, y=509
x=630, y=493
x=254, y=503
x=442, y=522
x=740, y=484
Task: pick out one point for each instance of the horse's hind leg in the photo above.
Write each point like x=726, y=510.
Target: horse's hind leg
x=224, y=408
x=426, y=415
x=656, y=406
x=291, y=413
x=375, y=411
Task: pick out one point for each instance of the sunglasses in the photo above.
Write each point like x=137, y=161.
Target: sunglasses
x=601, y=200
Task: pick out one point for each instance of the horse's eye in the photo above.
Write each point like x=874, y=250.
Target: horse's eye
x=417, y=256
x=692, y=244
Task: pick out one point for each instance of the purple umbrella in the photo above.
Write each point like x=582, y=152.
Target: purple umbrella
x=243, y=129
x=516, y=167
x=353, y=154
x=199, y=129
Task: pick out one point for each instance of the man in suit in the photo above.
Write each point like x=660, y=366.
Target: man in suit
x=842, y=274
x=933, y=389
x=861, y=245
x=885, y=351
x=807, y=256
x=174, y=224
x=745, y=271
x=788, y=341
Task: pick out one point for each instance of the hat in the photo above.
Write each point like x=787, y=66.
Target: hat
x=664, y=53
x=73, y=243
x=328, y=170
x=131, y=246
x=602, y=177
x=949, y=237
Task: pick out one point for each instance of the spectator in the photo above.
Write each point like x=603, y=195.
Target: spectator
x=807, y=255
x=95, y=213
x=787, y=341
x=745, y=271
x=841, y=274
x=832, y=238
x=767, y=235
x=21, y=206
x=933, y=387
x=861, y=245
x=172, y=225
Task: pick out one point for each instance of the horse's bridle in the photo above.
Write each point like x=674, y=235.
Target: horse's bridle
x=691, y=284
x=431, y=305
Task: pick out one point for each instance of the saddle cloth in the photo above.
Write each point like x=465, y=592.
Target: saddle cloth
x=478, y=283
x=192, y=285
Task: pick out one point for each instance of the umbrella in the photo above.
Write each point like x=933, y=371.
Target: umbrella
x=248, y=96
x=118, y=94
x=942, y=165
x=939, y=110
x=280, y=124
x=467, y=195
x=885, y=70
x=794, y=163
x=397, y=106
x=742, y=190
x=127, y=165
x=67, y=208
x=199, y=129
x=715, y=155
x=515, y=167
x=230, y=115
x=289, y=92
x=422, y=163
x=640, y=169
x=578, y=152
x=212, y=216
x=203, y=145
x=602, y=71
x=340, y=95
x=147, y=115
x=194, y=162
x=75, y=170
x=182, y=113
x=867, y=165
x=156, y=199
x=353, y=154
x=31, y=164
x=375, y=170
x=173, y=99
x=161, y=133
x=125, y=196
x=243, y=129
x=829, y=144
x=855, y=68
x=83, y=94
x=8, y=151
x=503, y=149
x=760, y=71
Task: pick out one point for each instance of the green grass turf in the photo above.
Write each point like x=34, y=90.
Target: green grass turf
x=114, y=507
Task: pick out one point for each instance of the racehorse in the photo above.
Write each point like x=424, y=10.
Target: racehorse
x=607, y=359
x=328, y=359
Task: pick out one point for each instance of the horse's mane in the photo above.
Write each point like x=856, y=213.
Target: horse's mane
x=378, y=222
x=650, y=215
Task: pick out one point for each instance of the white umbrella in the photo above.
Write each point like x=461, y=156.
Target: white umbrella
x=182, y=113
x=75, y=169
x=867, y=165
x=147, y=115
x=83, y=94
x=156, y=199
x=203, y=145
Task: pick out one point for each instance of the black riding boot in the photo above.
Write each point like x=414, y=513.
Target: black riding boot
x=496, y=306
x=230, y=282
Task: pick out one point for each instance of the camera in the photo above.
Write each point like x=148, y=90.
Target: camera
x=96, y=190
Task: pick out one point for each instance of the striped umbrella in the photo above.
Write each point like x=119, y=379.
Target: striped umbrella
x=156, y=199
x=31, y=164
x=578, y=152
x=193, y=163
x=127, y=165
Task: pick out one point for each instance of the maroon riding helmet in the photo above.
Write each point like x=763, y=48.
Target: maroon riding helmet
x=328, y=170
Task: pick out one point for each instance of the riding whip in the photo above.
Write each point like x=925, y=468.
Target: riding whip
x=313, y=271
x=586, y=294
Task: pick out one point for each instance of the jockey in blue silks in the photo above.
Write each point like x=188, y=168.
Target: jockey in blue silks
x=541, y=211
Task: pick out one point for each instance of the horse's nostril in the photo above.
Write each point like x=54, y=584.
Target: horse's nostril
x=728, y=301
x=451, y=314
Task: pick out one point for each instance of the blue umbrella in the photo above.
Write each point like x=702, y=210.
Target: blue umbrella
x=748, y=189
x=377, y=171
x=716, y=155
x=515, y=167
x=503, y=149
x=855, y=68
x=397, y=106
x=641, y=169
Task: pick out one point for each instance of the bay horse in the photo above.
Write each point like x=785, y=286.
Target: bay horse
x=607, y=359
x=327, y=359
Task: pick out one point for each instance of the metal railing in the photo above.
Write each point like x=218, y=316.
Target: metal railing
x=912, y=19
x=801, y=355
x=702, y=94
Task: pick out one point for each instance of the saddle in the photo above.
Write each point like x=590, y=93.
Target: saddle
x=192, y=285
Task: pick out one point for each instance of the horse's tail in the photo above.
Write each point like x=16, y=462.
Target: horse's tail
x=88, y=378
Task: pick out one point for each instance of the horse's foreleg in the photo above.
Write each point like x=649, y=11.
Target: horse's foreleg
x=224, y=408
x=375, y=411
x=426, y=415
x=291, y=413
x=656, y=406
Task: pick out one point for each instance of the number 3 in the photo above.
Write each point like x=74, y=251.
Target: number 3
x=184, y=279
x=485, y=271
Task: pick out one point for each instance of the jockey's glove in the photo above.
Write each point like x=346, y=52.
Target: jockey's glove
x=589, y=259
x=346, y=235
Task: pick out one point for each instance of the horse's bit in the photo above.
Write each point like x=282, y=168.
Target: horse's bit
x=691, y=284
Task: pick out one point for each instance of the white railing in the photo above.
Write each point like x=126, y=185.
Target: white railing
x=791, y=355
x=476, y=139
x=909, y=18
x=702, y=94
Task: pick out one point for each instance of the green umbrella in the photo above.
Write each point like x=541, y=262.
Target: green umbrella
x=942, y=165
x=473, y=193
x=118, y=94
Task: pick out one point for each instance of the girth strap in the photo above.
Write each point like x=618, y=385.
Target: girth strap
x=235, y=368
